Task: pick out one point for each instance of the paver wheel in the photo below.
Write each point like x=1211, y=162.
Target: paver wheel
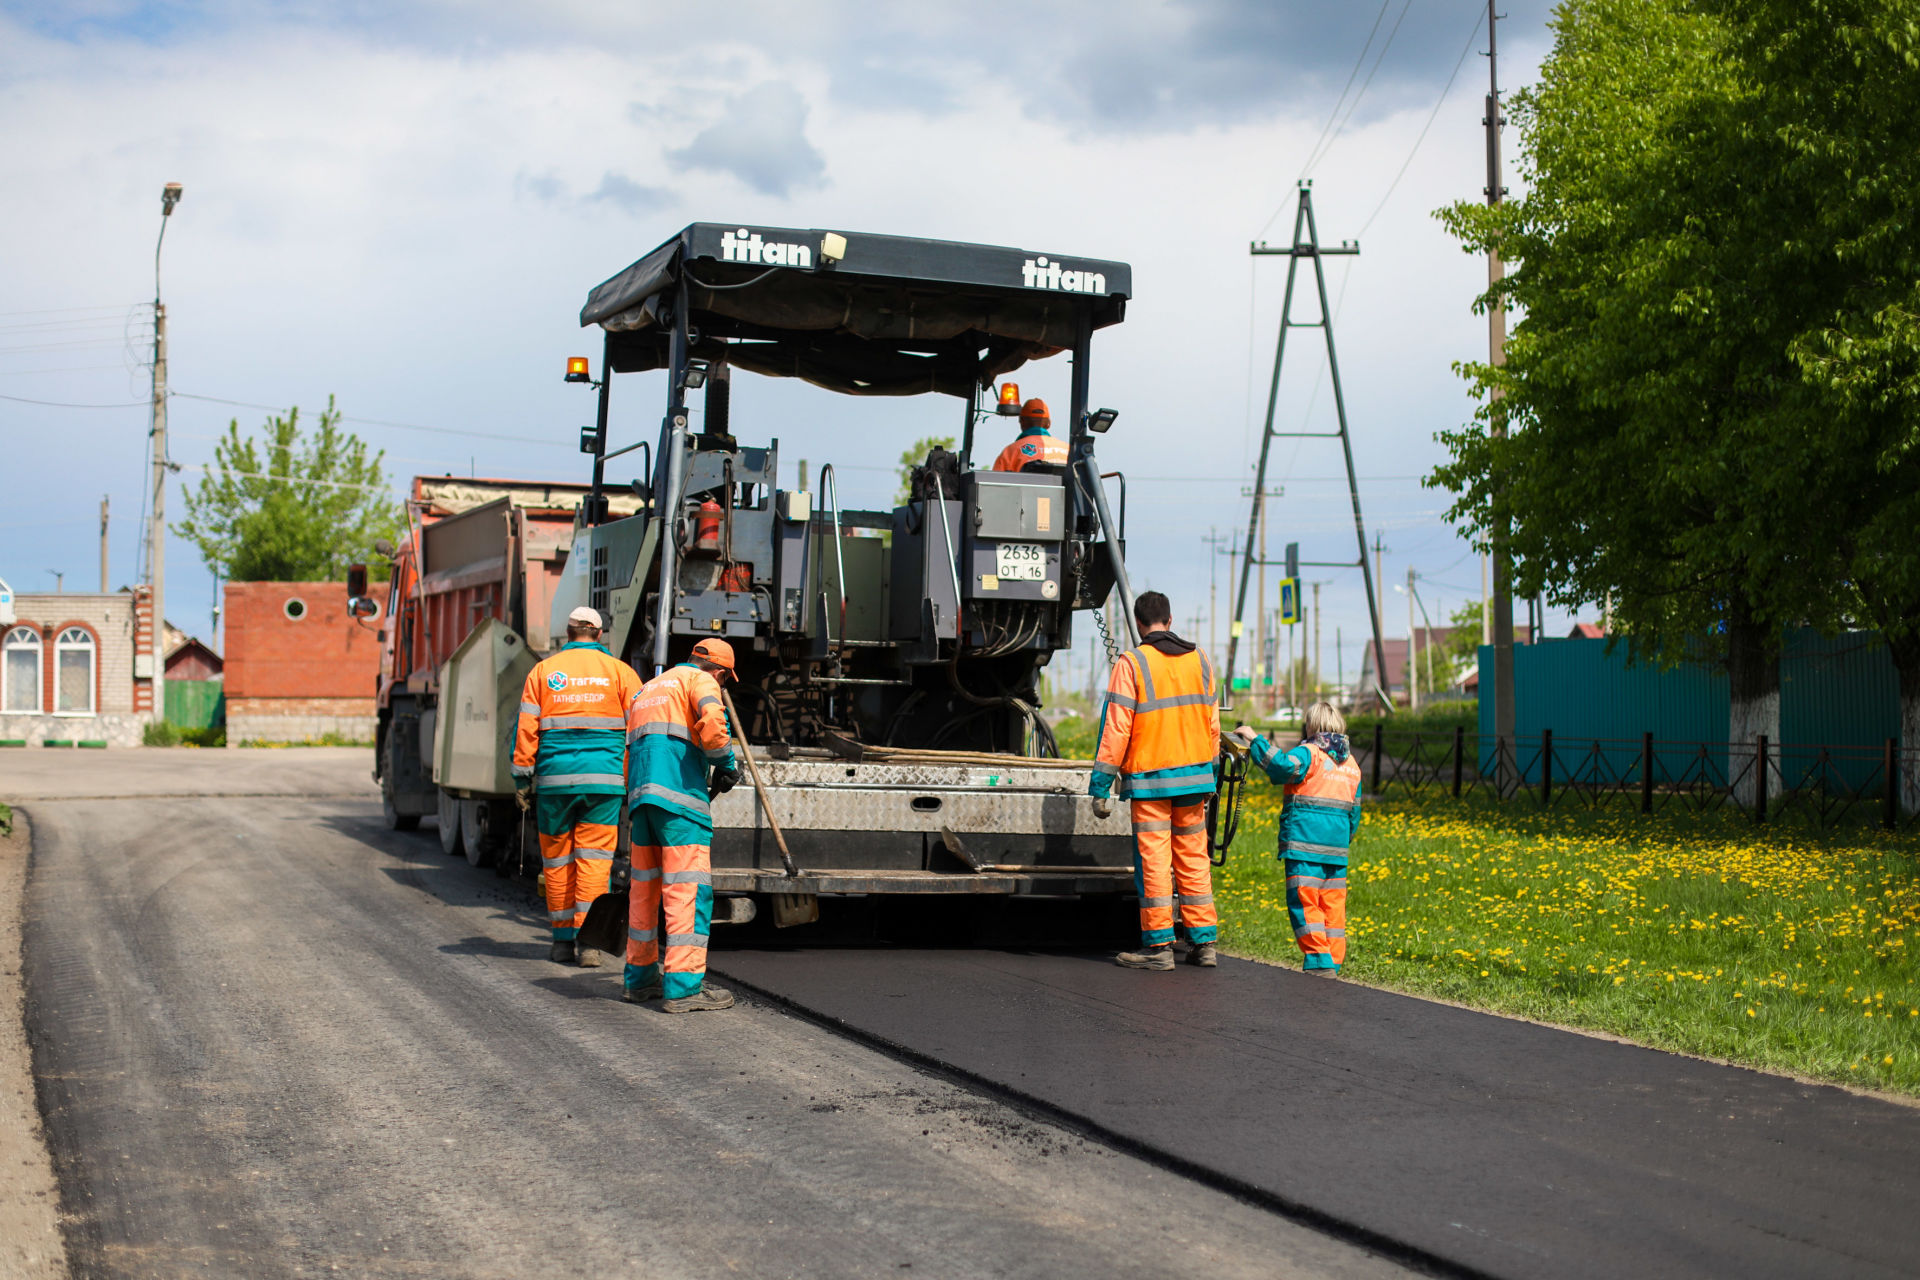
x=450, y=833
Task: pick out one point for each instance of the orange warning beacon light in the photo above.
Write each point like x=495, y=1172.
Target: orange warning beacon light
x=1009, y=399
x=577, y=369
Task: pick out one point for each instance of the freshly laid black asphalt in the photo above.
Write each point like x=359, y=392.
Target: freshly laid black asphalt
x=273, y=1038
x=1495, y=1145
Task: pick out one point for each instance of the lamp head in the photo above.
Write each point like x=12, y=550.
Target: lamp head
x=169, y=197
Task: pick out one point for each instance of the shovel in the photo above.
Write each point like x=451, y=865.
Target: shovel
x=788, y=908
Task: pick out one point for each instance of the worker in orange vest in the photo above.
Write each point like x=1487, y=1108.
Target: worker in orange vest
x=1322, y=784
x=569, y=766
x=1159, y=738
x=682, y=756
x=1034, y=444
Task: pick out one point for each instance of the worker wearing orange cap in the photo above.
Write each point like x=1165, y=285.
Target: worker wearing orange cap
x=1035, y=444
x=676, y=734
x=569, y=767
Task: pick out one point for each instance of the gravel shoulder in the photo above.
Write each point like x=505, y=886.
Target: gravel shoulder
x=30, y=1244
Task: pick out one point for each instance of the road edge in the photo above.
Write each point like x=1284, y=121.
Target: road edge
x=31, y=1244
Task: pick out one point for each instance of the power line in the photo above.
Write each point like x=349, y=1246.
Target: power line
x=1341, y=100
x=380, y=422
x=1371, y=72
x=62, y=404
x=1431, y=117
x=59, y=311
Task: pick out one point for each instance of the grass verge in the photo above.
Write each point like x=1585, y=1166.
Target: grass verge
x=1773, y=947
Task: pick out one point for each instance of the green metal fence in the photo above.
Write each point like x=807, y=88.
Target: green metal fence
x=196, y=704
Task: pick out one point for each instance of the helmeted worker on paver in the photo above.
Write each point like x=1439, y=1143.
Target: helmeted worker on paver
x=676, y=734
x=1322, y=784
x=1159, y=738
x=1035, y=443
x=571, y=754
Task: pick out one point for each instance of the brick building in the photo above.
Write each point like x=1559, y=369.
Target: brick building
x=77, y=667
x=297, y=667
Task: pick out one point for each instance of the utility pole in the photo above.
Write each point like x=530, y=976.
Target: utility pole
x=1379, y=604
x=1319, y=677
x=157, y=522
x=1263, y=670
x=1503, y=709
x=103, y=544
x=1413, y=658
x=1214, y=542
x=59, y=581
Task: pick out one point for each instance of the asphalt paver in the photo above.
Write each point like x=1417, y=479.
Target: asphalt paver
x=273, y=1038
x=1500, y=1146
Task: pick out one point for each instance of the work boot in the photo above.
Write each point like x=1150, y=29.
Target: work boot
x=640, y=995
x=1158, y=958
x=587, y=957
x=707, y=997
x=1324, y=973
x=1203, y=955
x=562, y=951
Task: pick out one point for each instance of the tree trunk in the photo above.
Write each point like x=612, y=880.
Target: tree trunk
x=1906, y=661
x=1753, y=671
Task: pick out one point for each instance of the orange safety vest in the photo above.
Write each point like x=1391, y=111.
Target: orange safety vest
x=1033, y=447
x=571, y=738
x=1161, y=725
x=1319, y=818
x=677, y=729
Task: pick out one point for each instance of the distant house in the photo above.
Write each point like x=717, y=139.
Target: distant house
x=1436, y=638
x=297, y=666
x=190, y=658
x=77, y=667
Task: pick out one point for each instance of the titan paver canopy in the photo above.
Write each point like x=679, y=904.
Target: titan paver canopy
x=895, y=315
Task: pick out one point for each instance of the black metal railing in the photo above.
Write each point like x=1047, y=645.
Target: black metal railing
x=1825, y=785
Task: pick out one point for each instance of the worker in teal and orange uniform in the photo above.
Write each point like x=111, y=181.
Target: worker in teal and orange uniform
x=569, y=766
x=1159, y=738
x=1035, y=444
x=681, y=756
x=1321, y=780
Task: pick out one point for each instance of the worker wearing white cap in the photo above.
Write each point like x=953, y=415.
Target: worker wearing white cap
x=570, y=765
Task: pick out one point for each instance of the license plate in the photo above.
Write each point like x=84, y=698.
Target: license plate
x=1021, y=561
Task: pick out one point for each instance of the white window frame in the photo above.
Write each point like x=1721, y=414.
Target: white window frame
x=10, y=643
x=92, y=649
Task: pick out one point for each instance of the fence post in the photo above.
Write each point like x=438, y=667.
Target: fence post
x=1646, y=772
x=1546, y=768
x=1460, y=747
x=1890, y=812
x=1760, y=778
x=1379, y=749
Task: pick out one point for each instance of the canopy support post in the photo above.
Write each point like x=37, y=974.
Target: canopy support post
x=670, y=470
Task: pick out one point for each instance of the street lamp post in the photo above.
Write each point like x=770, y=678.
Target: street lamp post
x=157, y=523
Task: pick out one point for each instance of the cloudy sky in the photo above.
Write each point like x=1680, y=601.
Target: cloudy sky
x=403, y=204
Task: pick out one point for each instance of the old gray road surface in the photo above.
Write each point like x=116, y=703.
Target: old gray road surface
x=274, y=1038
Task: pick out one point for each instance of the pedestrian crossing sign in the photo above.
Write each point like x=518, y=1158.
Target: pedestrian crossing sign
x=1289, y=601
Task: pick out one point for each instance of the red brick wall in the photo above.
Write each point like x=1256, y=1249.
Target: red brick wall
x=322, y=654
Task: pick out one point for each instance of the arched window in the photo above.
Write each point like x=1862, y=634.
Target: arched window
x=20, y=671
x=73, y=656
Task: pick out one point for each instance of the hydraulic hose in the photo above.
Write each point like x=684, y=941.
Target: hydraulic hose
x=1223, y=807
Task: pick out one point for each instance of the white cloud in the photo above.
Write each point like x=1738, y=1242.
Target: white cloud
x=413, y=222
x=760, y=139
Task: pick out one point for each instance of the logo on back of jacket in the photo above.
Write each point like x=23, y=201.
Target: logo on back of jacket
x=558, y=680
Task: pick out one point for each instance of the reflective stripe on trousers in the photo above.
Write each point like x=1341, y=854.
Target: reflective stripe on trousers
x=1317, y=907
x=672, y=869
x=578, y=838
x=1170, y=847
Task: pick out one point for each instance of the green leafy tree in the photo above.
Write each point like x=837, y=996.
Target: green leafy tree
x=916, y=455
x=288, y=507
x=1713, y=269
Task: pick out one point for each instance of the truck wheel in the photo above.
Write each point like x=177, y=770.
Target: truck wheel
x=477, y=828
x=449, y=811
x=396, y=820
